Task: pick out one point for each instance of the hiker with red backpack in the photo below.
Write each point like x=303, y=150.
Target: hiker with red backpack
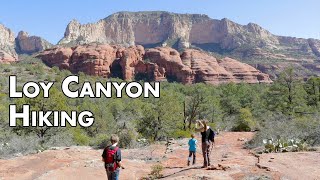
x=111, y=157
x=207, y=140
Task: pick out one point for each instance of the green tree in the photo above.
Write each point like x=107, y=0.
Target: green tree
x=287, y=94
x=312, y=88
x=160, y=116
x=4, y=115
x=245, y=120
x=104, y=122
x=195, y=100
x=212, y=108
x=230, y=101
x=57, y=102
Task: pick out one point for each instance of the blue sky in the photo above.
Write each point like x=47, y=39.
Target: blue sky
x=49, y=19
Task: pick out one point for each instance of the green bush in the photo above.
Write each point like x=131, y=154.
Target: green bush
x=7, y=70
x=181, y=134
x=212, y=125
x=17, y=145
x=63, y=138
x=245, y=121
x=127, y=138
x=100, y=141
x=79, y=137
x=156, y=171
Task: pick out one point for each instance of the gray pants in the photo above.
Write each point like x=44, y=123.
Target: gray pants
x=192, y=153
x=206, y=153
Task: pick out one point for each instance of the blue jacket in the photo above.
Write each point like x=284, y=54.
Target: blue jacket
x=192, y=145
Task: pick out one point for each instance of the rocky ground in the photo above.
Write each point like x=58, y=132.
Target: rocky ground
x=230, y=159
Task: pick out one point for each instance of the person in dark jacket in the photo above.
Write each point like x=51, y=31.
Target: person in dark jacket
x=206, y=142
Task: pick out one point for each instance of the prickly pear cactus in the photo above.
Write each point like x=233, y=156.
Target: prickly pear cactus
x=284, y=145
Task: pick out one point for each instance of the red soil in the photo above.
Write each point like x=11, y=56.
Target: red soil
x=230, y=161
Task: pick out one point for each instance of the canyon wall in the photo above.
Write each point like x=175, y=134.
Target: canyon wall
x=157, y=28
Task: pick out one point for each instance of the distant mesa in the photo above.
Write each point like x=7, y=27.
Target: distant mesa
x=158, y=28
x=183, y=32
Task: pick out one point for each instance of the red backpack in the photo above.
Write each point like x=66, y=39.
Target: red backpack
x=110, y=164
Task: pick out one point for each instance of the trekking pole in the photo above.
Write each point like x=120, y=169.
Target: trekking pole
x=213, y=144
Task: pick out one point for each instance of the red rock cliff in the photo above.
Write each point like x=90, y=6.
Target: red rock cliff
x=161, y=63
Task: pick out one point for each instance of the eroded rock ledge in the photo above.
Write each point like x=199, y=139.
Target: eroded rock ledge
x=155, y=64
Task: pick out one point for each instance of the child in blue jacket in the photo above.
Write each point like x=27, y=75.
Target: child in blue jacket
x=192, y=149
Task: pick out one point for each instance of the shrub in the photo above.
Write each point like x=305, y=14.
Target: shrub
x=228, y=123
x=6, y=70
x=245, y=121
x=19, y=145
x=181, y=134
x=128, y=138
x=63, y=138
x=212, y=125
x=156, y=171
x=79, y=137
x=100, y=141
x=306, y=129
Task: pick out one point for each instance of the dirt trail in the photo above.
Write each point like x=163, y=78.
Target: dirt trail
x=238, y=163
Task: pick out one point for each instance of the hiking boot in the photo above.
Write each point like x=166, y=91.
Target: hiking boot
x=188, y=163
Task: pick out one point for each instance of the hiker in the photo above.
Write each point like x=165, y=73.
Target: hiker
x=192, y=149
x=111, y=156
x=207, y=140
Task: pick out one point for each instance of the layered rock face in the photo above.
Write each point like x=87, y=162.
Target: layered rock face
x=152, y=29
x=215, y=71
x=26, y=44
x=159, y=64
x=94, y=59
x=315, y=46
x=7, y=44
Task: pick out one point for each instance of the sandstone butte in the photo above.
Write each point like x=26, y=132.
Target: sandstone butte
x=26, y=44
x=155, y=64
x=10, y=46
